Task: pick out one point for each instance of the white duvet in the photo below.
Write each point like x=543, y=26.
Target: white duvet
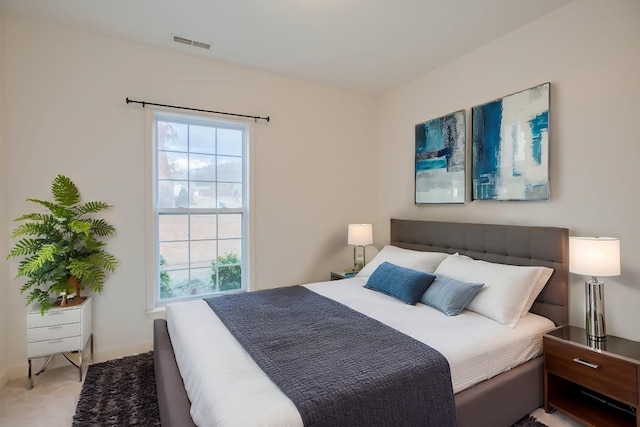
x=227, y=388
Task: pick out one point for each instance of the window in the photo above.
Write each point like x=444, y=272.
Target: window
x=200, y=209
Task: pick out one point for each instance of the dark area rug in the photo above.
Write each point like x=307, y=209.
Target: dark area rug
x=120, y=392
x=529, y=422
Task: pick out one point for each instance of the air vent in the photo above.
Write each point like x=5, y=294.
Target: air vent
x=190, y=42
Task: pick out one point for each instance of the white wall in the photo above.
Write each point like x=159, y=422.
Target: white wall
x=4, y=221
x=66, y=113
x=590, y=52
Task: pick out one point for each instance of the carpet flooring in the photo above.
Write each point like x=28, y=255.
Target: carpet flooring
x=123, y=392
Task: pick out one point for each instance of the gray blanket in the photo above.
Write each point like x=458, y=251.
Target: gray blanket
x=338, y=366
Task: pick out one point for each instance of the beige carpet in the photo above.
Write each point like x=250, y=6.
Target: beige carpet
x=52, y=401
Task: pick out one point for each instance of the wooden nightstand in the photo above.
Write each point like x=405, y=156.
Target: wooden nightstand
x=595, y=383
x=339, y=275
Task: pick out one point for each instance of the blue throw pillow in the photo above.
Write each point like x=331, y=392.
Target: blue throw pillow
x=450, y=296
x=402, y=283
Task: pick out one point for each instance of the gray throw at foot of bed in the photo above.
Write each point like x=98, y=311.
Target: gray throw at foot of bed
x=339, y=367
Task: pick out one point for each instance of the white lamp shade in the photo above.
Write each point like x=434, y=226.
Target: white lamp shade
x=594, y=256
x=360, y=234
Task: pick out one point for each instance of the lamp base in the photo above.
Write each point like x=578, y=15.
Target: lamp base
x=595, y=323
x=358, y=262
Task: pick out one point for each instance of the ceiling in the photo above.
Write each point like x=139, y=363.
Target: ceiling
x=364, y=45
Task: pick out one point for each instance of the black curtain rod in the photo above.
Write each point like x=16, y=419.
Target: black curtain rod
x=144, y=103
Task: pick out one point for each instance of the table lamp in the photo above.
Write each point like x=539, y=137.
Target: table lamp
x=359, y=235
x=595, y=257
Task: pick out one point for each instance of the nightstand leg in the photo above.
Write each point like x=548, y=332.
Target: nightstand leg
x=80, y=366
x=30, y=380
x=91, y=345
x=45, y=365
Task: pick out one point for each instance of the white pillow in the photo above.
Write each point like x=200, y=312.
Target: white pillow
x=506, y=290
x=543, y=278
x=416, y=260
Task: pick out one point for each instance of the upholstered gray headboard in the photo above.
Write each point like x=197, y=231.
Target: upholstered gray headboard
x=505, y=244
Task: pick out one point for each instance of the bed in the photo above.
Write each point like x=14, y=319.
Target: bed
x=481, y=403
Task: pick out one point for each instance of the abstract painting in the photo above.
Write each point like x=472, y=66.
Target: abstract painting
x=510, y=147
x=440, y=160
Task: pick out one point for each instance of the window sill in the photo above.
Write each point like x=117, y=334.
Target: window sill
x=157, y=312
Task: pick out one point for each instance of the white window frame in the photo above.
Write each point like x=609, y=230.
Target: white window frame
x=152, y=211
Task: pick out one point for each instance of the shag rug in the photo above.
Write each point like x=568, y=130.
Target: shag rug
x=122, y=392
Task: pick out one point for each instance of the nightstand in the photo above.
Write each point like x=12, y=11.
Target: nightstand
x=594, y=383
x=339, y=275
x=60, y=330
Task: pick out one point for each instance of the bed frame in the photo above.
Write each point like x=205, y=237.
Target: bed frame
x=482, y=404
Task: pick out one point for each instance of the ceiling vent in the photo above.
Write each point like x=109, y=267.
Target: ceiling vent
x=190, y=42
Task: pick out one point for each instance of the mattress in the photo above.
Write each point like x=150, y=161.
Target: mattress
x=227, y=388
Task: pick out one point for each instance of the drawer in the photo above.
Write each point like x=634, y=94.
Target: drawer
x=48, y=333
x=53, y=317
x=43, y=348
x=607, y=375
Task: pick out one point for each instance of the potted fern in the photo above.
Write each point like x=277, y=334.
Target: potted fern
x=61, y=250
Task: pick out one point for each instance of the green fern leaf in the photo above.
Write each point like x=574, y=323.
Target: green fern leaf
x=80, y=226
x=24, y=247
x=92, y=207
x=64, y=191
x=57, y=210
x=102, y=227
x=35, y=217
x=104, y=261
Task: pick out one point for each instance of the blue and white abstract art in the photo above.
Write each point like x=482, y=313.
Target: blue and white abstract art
x=510, y=145
x=440, y=160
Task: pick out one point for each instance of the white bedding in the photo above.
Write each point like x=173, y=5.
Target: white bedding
x=226, y=388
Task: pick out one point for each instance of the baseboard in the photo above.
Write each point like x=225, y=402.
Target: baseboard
x=118, y=352
x=17, y=370
x=4, y=377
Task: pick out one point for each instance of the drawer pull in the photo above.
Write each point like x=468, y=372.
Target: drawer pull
x=54, y=341
x=54, y=313
x=582, y=362
x=54, y=327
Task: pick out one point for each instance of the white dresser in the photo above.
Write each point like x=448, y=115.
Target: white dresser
x=60, y=330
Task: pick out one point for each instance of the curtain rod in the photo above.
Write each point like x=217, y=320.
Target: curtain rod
x=144, y=103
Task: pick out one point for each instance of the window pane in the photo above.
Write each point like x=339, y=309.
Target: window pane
x=176, y=254
x=203, y=252
x=201, y=280
x=230, y=142
x=203, y=194
x=202, y=139
x=176, y=284
x=229, y=169
x=203, y=227
x=230, y=195
x=202, y=167
x=172, y=136
x=173, y=227
x=229, y=278
x=230, y=248
x=172, y=165
x=230, y=226
x=181, y=194
x=166, y=197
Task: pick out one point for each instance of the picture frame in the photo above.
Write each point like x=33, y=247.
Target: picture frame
x=440, y=160
x=510, y=146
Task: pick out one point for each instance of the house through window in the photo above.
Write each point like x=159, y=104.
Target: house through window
x=200, y=209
